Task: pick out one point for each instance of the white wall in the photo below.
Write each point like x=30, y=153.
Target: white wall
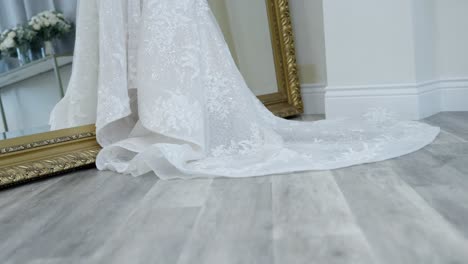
x=307, y=19
x=424, y=28
x=451, y=38
x=369, y=47
x=410, y=57
x=368, y=42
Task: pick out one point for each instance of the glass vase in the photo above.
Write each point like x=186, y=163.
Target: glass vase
x=3, y=65
x=24, y=54
x=36, y=48
x=11, y=62
x=47, y=48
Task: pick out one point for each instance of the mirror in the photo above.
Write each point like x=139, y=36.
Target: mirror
x=34, y=70
x=29, y=92
x=37, y=44
x=247, y=32
x=36, y=67
x=259, y=35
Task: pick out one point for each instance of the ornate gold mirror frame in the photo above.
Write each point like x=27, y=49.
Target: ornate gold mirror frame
x=287, y=101
x=33, y=157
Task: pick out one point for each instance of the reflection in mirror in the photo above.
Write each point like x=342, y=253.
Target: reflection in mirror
x=246, y=30
x=36, y=47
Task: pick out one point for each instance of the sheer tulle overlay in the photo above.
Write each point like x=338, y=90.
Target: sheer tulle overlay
x=166, y=96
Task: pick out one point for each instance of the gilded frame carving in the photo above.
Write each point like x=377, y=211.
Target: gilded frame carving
x=33, y=157
x=287, y=101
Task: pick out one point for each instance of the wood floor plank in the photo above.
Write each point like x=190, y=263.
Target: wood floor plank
x=400, y=225
x=311, y=118
x=158, y=228
x=424, y=169
x=50, y=261
x=150, y=235
x=452, y=122
x=71, y=218
x=20, y=195
x=313, y=223
x=460, y=115
x=447, y=138
x=440, y=175
x=454, y=155
x=181, y=193
x=411, y=209
x=235, y=226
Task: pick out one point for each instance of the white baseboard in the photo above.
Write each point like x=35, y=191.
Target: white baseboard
x=411, y=101
x=313, y=96
x=454, y=94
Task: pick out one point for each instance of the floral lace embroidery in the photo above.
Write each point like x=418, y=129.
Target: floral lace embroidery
x=219, y=97
x=242, y=147
x=190, y=90
x=172, y=115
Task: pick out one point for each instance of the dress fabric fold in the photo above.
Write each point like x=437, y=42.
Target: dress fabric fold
x=158, y=79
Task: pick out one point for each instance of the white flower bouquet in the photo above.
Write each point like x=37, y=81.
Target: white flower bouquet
x=7, y=41
x=16, y=42
x=50, y=25
x=17, y=38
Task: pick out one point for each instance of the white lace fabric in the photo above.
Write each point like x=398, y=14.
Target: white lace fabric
x=168, y=97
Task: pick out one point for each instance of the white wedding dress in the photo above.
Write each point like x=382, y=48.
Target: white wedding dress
x=159, y=82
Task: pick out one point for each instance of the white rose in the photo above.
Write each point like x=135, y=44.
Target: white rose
x=53, y=21
x=11, y=34
x=46, y=23
x=37, y=27
x=9, y=43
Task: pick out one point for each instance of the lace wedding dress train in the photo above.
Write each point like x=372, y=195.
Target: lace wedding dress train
x=166, y=96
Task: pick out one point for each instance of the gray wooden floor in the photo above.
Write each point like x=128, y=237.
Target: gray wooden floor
x=413, y=209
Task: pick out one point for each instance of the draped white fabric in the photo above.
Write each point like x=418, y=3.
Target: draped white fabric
x=166, y=96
